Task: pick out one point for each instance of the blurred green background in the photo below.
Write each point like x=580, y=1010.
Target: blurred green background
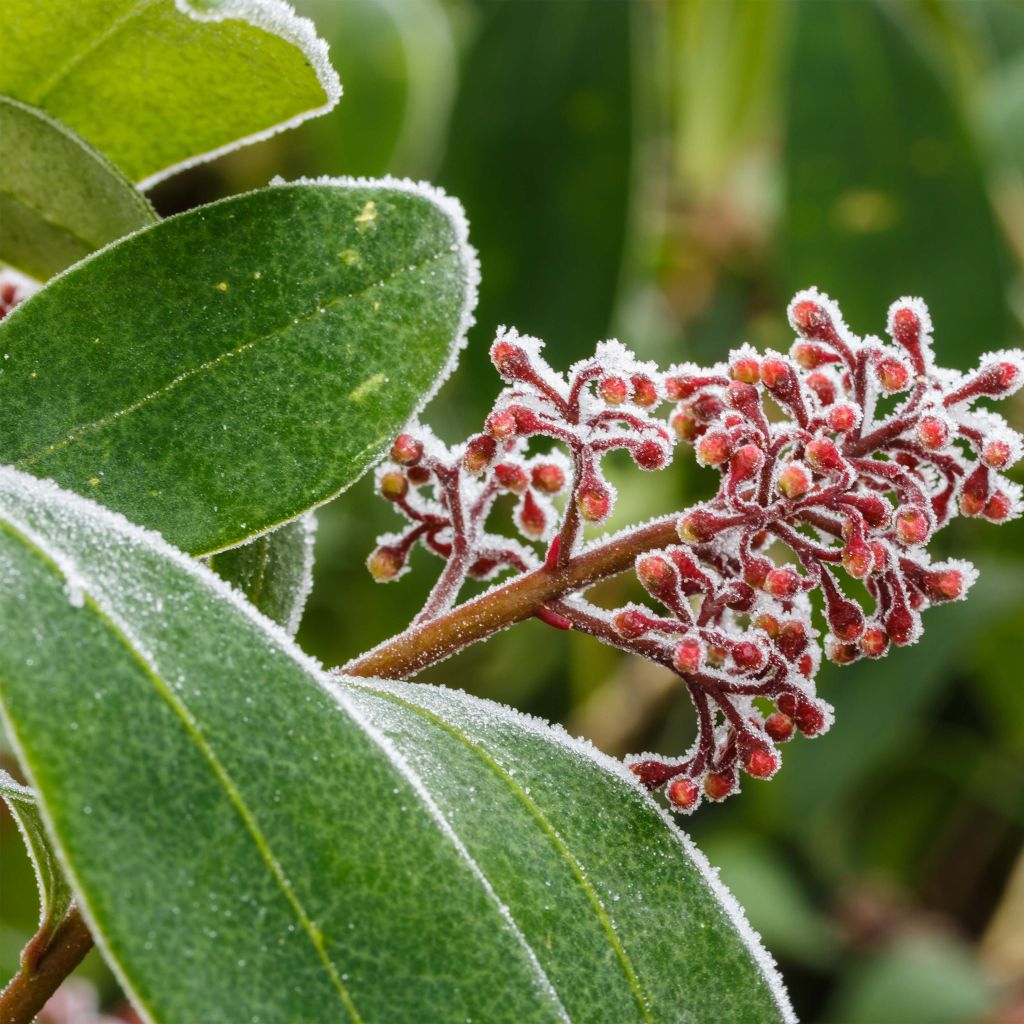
x=670, y=173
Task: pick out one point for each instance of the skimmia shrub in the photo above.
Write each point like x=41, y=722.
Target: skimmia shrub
x=248, y=837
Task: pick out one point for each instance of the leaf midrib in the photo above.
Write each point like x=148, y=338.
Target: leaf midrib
x=249, y=821
x=549, y=830
x=210, y=364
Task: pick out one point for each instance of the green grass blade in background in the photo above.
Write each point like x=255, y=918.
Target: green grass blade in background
x=226, y=370
x=55, y=894
x=330, y=851
x=886, y=198
x=275, y=571
x=156, y=85
x=59, y=198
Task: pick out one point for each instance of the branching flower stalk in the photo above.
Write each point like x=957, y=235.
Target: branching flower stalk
x=839, y=462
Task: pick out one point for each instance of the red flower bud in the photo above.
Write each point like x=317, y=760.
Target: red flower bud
x=511, y=477
x=893, y=374
x=808, y=718
x=787, y=703
x=975, y=492
x=812, y=321
x=630, y=623
x=998, y=507
x=393, y=485
x=843, y=418
x=718, y=785
x=755, y=572
x=874, y=642
x=547, y=478
x=760, y=763
x=768, y=623
x=822, y=455
x=531, y=517
x=811, y=356
x=684, y=425
x=683, y=793
x=996, y=454
x=933, y=433
x=614, y=390
x=782, y=582
x=480, y=453
x=645, y=391
x=501, y=424
x=697, y=527
x=746, y=461
x=688, y=656
x=779, y=727
x=858, y=558
x=713, y=449
x=944, y=584
x=912, y=526
x=406, y=450
x=778, y=377
x=656, y=574
x=510, y=360
x=385, y=563
x=418, y=475
x=794, y=481
x=745, y=369
x=823, y=387
x=649, y=455
x=792, y=639
x=748, y=656
x=594, y=502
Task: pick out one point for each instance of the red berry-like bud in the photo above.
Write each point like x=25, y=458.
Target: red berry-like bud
x=899, y=624
x=779, y=727
x=748, y=656
x=998, y=507
x=755, y=572
x=843, y=418
x=697, y=527
x=811, y=356
x=743, y=397
x=808, y=718
x=645, y=391
x=547, y=478
x=688, y=656
x=511, y=477
x=614, y=390
x=630, y=623
x=932, y=433
x=746, y=461
x=684, y=425
x=683, y=793
x=531, y=517
x=823, y=387
x=845, y=619
x=792, y=639
x=509, y=360
x=782, y=582
x=906, y=328
x=745, y=369
x=480, y=453
x=812, y=321
x=822, y=455
x=406, y=450
x=594, y=502
x=794, y=481
x=656, y=574
x=418, y=475
x=975, y=492
x=768, y=623
x=874, y=642
x=787, y=703
x=714, y=449
x=912, y=526
x=840, y=652
x=393, y=485
x=777, y=375
x=893, y=374
x=385, y=564
x=649, y=455
x=760, y=762
x=718, y=785
x=858, y=558
x=678, y=388
x=707, y=407
x=944, y=584
x=996, y=454
x=501, y=424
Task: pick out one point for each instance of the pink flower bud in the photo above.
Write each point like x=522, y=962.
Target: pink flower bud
x=594, y=502
x=874, y=642
x=501, y=424
x=893, y=374
x=614, y=390
x=510, y=360
x=777, y=376
x=718, y=785
x=782, y=582
x=858, y=558
x=912, y=526
x=746, y=461
x=656, y=574
x=713, y=449
x=645, y=391
x=683, y=793
x=822, y=455
x=630, y=623
x=688, y=656
x=531, y=517
x=511, y=477
x=996, y=454
x=933, y=433
x=760, y=763
x=843, y=418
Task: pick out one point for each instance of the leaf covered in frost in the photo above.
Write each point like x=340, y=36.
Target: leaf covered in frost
x=325, y=850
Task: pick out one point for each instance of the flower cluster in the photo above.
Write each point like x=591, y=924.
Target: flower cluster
x=14, y=288
x=838, y=462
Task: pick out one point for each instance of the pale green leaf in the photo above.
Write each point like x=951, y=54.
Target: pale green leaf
x=160, y=84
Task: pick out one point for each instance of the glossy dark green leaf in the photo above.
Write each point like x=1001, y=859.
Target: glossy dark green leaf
x=275, y=571
x=225, y=370
x=885, y=195
x=59, y=198
x=252, y=842
x=55, y=894
x=158, y=84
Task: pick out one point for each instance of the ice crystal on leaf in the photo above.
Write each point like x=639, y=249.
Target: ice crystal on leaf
x=839, y=461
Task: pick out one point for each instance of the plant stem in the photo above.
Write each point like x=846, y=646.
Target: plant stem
x=426, y=643
x=41, y=975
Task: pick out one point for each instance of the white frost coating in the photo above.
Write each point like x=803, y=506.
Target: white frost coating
x=278, y=18
x=24, y=498
x=301, y=595
x=453, y=210
x=431, y=696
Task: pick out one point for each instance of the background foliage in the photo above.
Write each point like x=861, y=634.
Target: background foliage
x=670, y=173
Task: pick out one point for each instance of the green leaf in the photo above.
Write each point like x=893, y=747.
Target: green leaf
x=275, y=571
x=890, y=198
x=55, y=894
x=226, y=370
x=59, y=198
x=249, y=840
x=160, y=84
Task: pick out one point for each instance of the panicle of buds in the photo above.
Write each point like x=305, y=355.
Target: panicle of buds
x=840, y=459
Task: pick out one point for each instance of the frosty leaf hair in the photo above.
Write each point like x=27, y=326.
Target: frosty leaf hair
x=842, y=484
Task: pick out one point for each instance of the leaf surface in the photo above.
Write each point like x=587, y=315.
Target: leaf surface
x=160, y=84
x=251, y=841
x=59, y=198
x=224, y=371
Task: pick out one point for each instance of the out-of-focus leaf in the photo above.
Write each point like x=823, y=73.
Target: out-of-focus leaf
x=249, y=839
x=55, y=894
x=925, y=979
x=59, y=198
x=224, y=371
x=158, y=84
x=884, y=192
x=275, y=571
x=540, y=153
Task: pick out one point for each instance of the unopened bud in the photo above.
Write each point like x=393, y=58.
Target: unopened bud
x=509, y=360
x=782, y=582
x=630, y=623
x=645, y=391
x=649, y=455
x=683, y=793
x=393, y=485
x=714, y=449
x=614, y=390
x=511, y=477
x=779, y=727
x=760, y=763
x=875, y=642
x=933, y=433
x=746, y=461
x=996, y=454
x=822, y=455
x=893, y=374
x=531, y=517
x=501, y=424
x=822, y=385
x=688, y=656
x=406, y=450
x=912, y=526
x=794, y=481
x=748, y=656
x=480, y=453
x=547, y=478
x=842, y=418
x=718, y=785
x=385, y=564
x=745, y=369
x=594, y=502
x=998, y=507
